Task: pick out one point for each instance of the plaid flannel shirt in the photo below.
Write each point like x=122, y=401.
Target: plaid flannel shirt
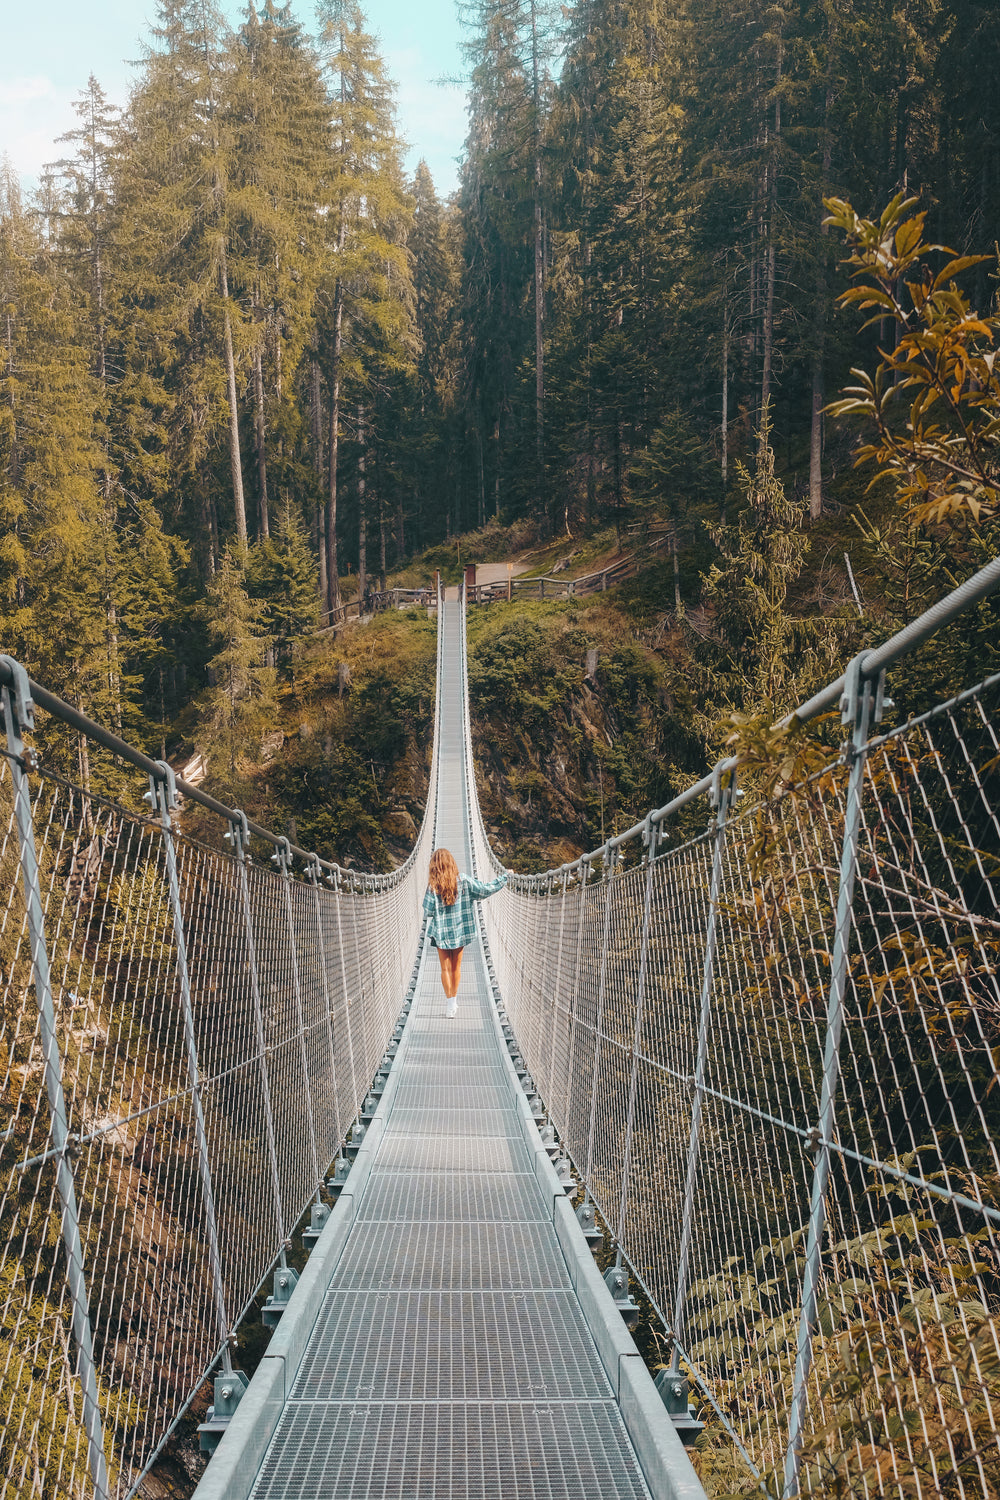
x=455, y=926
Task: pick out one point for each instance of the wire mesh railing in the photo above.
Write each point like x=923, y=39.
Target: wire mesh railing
x=188, y=1028
x=771, y=1050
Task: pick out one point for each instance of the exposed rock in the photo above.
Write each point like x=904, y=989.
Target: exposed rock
x=270, y=745
x=400, y=824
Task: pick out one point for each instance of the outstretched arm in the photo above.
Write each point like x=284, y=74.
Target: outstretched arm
x=479, y=888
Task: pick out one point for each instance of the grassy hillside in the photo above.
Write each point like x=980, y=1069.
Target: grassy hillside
x=588, y=711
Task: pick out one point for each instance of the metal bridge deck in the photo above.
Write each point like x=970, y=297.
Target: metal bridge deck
x=450, y=1355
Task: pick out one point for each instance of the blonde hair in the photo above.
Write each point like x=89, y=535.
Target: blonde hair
x=443, y=876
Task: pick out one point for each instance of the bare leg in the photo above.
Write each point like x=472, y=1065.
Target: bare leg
x=451, y=968
x=456, y=971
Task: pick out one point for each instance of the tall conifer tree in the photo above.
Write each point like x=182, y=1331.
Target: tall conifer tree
x=367, y=277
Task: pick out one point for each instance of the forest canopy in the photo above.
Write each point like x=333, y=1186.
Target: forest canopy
x=248, y=365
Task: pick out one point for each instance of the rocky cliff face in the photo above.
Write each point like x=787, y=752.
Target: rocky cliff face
x=580, y=725
x=577, y=728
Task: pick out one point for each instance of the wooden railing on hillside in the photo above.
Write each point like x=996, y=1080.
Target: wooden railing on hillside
x=546, y=586
x=376, y=602
x=549, y=586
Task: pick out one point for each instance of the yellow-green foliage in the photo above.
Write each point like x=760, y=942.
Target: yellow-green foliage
x=353, y=771
x=907, y=1359
x=934, y=400
x=43, y=1447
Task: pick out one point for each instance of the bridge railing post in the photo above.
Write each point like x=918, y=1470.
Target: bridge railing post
x=574, y=1025
x=345, y=988
x=858, y=712
x=723, y=794
x=650, y=836
x=612, y=856
x=283, y=858
x=162, y=797
x=551, y=1092
x=315, y=877
x=18, y=713
x=239, y=835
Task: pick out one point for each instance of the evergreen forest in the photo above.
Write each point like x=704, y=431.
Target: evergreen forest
x=716, y=295
x=250, y=368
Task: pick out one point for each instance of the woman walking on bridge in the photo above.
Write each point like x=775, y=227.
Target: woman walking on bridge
x=452, y=927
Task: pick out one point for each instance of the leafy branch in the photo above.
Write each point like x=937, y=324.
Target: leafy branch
x=934, y=399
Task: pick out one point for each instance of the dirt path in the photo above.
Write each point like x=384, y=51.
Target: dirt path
x=495, y=572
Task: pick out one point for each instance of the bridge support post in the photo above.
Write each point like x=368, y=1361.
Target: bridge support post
x=550, y=1090
x=315, y=876
x=612, y=856
x=282, y=857
x=239, y=834
x=859, y=708
x=650, y=836
x=162, y=797
x=723, y=794
x=18, y=713
x=337, y=886
x=574, y=993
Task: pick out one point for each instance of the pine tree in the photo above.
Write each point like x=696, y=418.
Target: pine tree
x=50, y=509
x=432, y=393
x=281, y=577
x=172, y=197
x=615, y=138
x=234, y=708
x=134, y=561
x=501, y=215
x=758, y=654
x=364, y=299
x=277, y=144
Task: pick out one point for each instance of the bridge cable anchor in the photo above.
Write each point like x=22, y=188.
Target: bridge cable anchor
x=586, y=1217
x=616, y=1281
x=285, y=1281
x=229, y=1390
x=674, y=1391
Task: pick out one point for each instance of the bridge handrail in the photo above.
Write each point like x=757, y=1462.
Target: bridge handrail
x=871, y=665
x=197, y=1016
x=38, y=696
x=769, y=1048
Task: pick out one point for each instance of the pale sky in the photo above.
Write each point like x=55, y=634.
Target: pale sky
x=51, y=46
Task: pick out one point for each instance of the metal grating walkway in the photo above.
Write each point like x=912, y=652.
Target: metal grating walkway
x=450, y=1356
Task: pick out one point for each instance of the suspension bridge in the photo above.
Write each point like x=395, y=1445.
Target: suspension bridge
x=749, y=1047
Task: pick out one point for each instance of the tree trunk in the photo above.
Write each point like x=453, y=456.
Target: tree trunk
x=725, y=388
x=480, y=474
x=332, y=576
x=210, y=527
x=772, y=215
x=677, y=571
x=264, y=529
x=819, y=321
x=235, y=461
x=99, y=310
x=539, y=267
x=362, y=508
x=316, y=427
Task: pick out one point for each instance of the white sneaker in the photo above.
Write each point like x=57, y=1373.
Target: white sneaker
x=451, y=1009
